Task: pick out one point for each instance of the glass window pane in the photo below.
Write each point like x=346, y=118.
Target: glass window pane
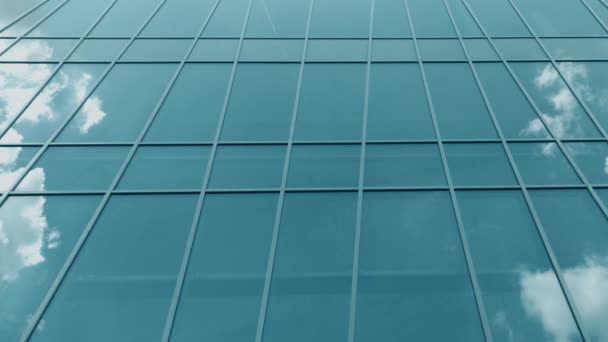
x=514, y=113
x=340, y=50
x=479, y=164
x=514, y=272
x=600, y=9
x=413, y=281
x=261, y=102
x=191, y=16
x=59, y=99
x=119, y=108
x=71, y=20
x=192, y=109
x=390, y=20
x=592, y=159
x=157, y=50
x=576, y=229
x=542, y=163
x=498, y=18
x=214, y=50
x=24, y=24
x=331, y=102
x=461, y=112
x=76, y=168
x=480, y=50
x=441, y=50
x=340, y=19
x=514, y=49
x=324, y=166
x=36, y=248
x=222, y=292
x=238, y=167
x=14, y=9
x=464, y=21
x=124, y=19
x=311, y=280
x=98, y=50
x=393, y=50
x=227, y=20
x=166, y=167
x=113, y=292
x=569, y=18
x=403, y=165
x=271, y=50
x=398, y=108
x=278, y=18
x=577, y=48
x=39, y=50
x=13, y=161
x=564, y=115
x=440, y=24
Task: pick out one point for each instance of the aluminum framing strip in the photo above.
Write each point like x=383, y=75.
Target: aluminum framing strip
x=590, y=114
x=462, y=234
x=352, y=318
x=19, y=37
x=33, y=323
x=201, y=199
x=259, y=334
x=603, y=3
x=22, y=15
x=537, y=222
x=58, y=67
x=597, y=18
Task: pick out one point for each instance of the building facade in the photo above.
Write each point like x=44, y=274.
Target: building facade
x=304, y=170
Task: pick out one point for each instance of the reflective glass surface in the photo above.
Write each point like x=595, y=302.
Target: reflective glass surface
x=479, y=164
x=319, y=166
x=191, y=15
x=542, y=163
x=263, y=165
x=73, y=19
x=13, y=162
x=39, y=50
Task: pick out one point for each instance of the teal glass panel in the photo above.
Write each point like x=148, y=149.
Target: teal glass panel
x=340, y=19
x=76, y=168
x=5, y=42
x=337, y=50
x=13, y=161
x=166, y=167
x=461, y=112
x=403, y=165
x=577, y=48
x=228, y=19
x=157, y=50
x=513, y=270
x=71, y=20
x=514, y=113
x=413, y=281
x=390, y=20
x=319, y=166
x=576, y=229
x=514, y=49
x=114, y=292
x=543, y=164
x=192, y=109
x=278, y=18
x=214, y=50
x=12, y=10
x=124, y=19
x=311, y=280
x=569, y=18
x=223, y=287
x=98, y=50
x=271, y=50
x=603, y=195
x=261, y=102
x=565, y=117
x=398, y=108
x=464, y=21
x=35, y=247
x=441, y=50
x=331, y=102
x=498, y=18
x=190, y=14
x=440, y=24
x=393, y=50
x=39, y=50
x=119, y=108
x=237, y=167
x=480, y=50
x=57, y=101
x=479, y=164
x=599, y=8
x=592, y=159
x=24, y=24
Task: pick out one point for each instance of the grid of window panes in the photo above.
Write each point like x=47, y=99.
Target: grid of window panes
x=304, y=170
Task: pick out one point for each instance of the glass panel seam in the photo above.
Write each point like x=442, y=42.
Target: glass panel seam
x=22, y=15
x=597, y=18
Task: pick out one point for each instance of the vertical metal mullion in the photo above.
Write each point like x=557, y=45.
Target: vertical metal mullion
x=81, y=240
x=280, y=201
x=199, y=205
x=520, y=180
x=22, y=15
x=55, y=70
x=357, y=242
x=463, y=238
x=599, y=20
x=33, y=27
x=574, y=165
